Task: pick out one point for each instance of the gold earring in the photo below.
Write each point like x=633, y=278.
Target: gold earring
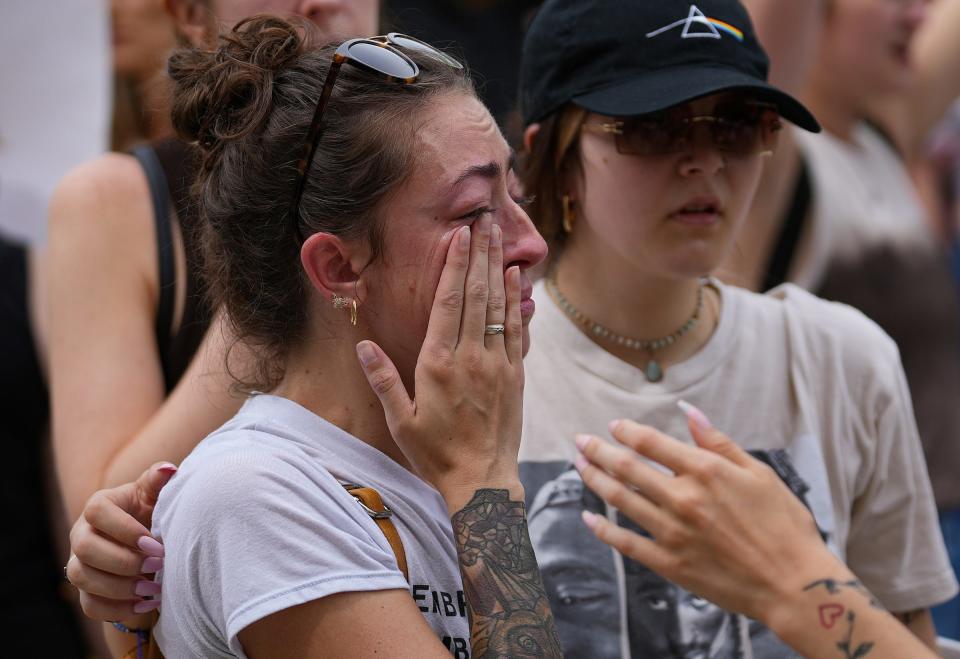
x=340, y=302
x=353, y=311
x=569, y=217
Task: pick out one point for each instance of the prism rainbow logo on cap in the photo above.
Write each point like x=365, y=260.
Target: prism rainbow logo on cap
x=698, y=26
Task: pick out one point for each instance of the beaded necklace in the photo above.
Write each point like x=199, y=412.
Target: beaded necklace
x=653, y=371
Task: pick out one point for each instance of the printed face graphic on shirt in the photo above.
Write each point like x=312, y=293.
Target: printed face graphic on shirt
x=577, y=569
x=664, y=620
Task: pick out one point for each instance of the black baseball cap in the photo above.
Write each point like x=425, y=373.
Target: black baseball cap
x=630, y=57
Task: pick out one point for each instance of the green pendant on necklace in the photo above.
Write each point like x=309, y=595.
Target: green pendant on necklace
x=653, y=372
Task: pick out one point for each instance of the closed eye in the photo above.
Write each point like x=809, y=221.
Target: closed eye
x=477, y=213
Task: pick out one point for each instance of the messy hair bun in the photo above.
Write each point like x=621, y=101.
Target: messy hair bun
x=227, y=94
x=249, y=104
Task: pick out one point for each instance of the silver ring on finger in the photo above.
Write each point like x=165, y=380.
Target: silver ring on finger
x=497, y=328
x=65, y=577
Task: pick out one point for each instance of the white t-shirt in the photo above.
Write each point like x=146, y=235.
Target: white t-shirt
x=782, y=371
x=256, y=520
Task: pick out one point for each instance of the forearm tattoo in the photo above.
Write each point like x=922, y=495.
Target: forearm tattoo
x=832, y=613
x=507, y=607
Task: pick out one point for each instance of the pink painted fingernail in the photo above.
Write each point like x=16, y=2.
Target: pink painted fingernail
x=580, y=462
x=151, y=564
x=697, y=418
x=149, y=546
x=146, y=605
x=366, y=353
x=582, y=441
x=168, y=468
x=590, y=519
x=145, y=587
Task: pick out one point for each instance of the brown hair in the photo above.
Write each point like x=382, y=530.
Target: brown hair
x=249, y=104
x=548, y=168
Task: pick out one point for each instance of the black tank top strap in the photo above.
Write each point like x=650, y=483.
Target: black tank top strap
x=160, y=197
x=791, y=230
x=181, y=164
x=171, y=167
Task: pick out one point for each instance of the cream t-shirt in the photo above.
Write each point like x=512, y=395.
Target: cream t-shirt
x=785, y=371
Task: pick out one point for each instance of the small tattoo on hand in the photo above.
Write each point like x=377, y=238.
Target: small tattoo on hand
x=830, y=613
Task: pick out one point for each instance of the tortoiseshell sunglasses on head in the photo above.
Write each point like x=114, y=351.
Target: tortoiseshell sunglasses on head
x=377, y=55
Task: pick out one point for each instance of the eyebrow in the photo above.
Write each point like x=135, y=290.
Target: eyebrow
x=491, y=170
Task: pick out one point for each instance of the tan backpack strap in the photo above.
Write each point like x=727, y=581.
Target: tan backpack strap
x=369, y=499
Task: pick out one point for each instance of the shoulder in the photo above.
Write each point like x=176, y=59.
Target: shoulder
x=830, y=334
x=101, y=222
x=110, y=191
x=235, y=470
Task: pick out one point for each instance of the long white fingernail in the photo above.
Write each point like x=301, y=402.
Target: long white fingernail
x=697, y=418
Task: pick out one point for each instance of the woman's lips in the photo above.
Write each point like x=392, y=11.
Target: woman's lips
x=527, y=305
x=697, y=219
x=527, y=308
x=700, y=211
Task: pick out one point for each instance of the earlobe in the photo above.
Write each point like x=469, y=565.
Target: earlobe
x=326, y=260
x=529, y=135
x=194, y=21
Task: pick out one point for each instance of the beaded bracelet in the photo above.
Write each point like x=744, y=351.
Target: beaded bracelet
x=143, y=635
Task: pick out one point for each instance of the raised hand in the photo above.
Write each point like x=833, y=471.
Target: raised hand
x=461, y=432
x=725, y=526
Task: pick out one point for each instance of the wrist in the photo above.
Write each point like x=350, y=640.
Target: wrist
x=794, y=609
x=458, y=495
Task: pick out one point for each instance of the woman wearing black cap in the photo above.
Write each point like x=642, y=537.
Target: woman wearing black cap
x=647, y=129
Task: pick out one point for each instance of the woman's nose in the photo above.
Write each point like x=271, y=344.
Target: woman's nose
x=522, y=243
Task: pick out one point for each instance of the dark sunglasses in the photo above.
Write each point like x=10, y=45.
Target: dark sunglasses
x=737, y=127
x=374, y=54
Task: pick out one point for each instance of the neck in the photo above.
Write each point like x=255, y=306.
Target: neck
x=635, y=305
x=836, y=108
x=153, y=96
x=324, y=376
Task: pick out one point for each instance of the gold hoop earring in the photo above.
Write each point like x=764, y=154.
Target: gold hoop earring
x=569, y=217
x=353, y=311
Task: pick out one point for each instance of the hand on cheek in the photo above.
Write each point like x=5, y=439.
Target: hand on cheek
x=462, y=432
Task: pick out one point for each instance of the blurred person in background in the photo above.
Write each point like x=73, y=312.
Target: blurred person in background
x=489, y=33
x=122, y=231
x=143, y=34
x=32, y=599
x=137, y=373
x=941, y=169
x=879, y=74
